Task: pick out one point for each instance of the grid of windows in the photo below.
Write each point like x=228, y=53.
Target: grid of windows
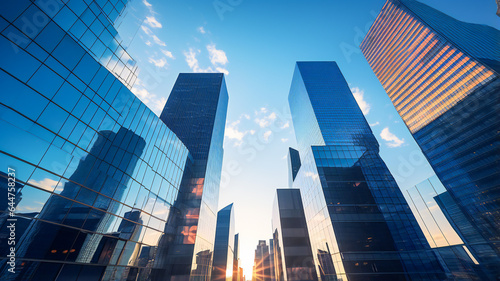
x=442, y=76
x=89, y=25
x=97, y=170
x=410, y=61
x=359, y=223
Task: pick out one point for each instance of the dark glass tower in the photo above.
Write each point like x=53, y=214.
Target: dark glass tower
x=290, y=229
x=293, y=165
x=196, y=111
x=354, y=209
x=223, y=261
x=442, y=76
x=97, y=170
x=236, y=262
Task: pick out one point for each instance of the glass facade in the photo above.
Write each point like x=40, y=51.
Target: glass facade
x=293, y=165
x=97, y=171
x=223, y=260
x=236, y=258
x=290, y=231
x=360, y=226
x=271, y=259
x=262, y=266
x=196, y=111
x=442, y=76
x=460, y=263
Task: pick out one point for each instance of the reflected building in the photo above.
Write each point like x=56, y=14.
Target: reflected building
x=196, y=111
x=224, y=254
x=262, y=266
x=98, y=171
x=289, y=225
x=459, y=262
x=353, y=206
x=442, y=75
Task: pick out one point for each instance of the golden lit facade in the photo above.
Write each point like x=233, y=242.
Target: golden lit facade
x=423, y=73
x=442, y=76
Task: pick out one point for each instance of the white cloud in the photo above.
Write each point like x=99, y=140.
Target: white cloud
x=193, y=63
x=216, y=56
x=159, y=104
x=392, y=140
x=46, y=184
x=201, y=30
x=167, y=53
x=191, y=58
x=359, y=96
x=286, y=125
x=233, y=133
x=148, y=43
x=246, y=116
x=374, y=124
x=266, y=120
x=284, y=140
x=158, y=63
x=153, y=36
x=222, y=70
x=146, y=3
x=266, y=135
x=153, y=22
x=153, y=101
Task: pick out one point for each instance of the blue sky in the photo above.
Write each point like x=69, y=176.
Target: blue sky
x=256, y=43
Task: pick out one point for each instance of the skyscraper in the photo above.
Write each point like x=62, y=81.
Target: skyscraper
x=442, y=76
x=97, y=170
x=271, y=260
x=354, y=209
x=262, y=267
x=196, y=111
x=223, y=261
x=289, y=225
x=236, y=257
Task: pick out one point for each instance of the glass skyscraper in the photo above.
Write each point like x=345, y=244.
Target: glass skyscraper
x=290, y=231
x=223, y=260
x=262, y=265
x=196, y=111
x=236, y=258
x=359, y=223
x=97, y=171
x=442, y=76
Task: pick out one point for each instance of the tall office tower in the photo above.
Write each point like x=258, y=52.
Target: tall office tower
x=354, y=209
x=97, y=171
x=445, y=241
x=289, y=225
x=262, y=270
x=223, y=259
x=196, y=111
x=293, y=165
x=271, y=259
x=442, y=76
x=236, y=257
